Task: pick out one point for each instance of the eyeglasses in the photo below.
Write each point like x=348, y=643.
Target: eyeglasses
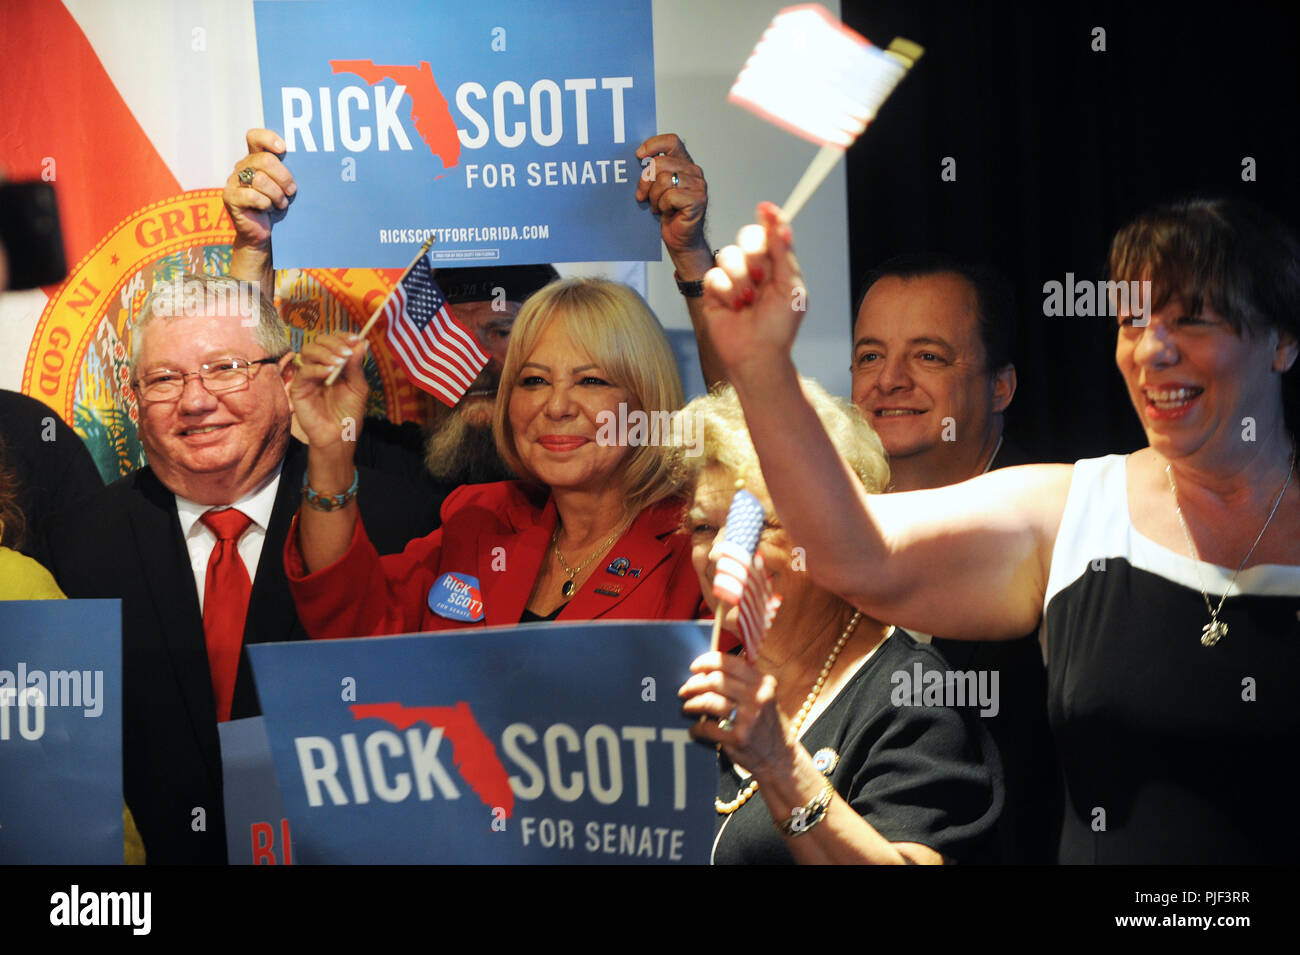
x=218, y=377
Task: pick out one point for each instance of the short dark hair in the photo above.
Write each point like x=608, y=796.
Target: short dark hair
x=1227, y=253
x=995, y=299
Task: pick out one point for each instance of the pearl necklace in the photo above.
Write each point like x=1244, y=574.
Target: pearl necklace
x=1216, y=629
x=726, y=808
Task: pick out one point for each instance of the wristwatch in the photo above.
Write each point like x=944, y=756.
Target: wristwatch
x=689, y=289
x=692, y=289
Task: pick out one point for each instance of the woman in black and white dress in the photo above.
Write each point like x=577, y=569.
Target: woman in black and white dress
x=1167, y=580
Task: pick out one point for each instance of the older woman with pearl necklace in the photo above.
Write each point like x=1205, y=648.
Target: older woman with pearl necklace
x=822, y=760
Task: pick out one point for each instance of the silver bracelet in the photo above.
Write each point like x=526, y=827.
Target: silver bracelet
x=803, y=818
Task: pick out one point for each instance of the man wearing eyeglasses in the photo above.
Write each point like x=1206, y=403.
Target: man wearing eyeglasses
x=213, y=421
x=192, y=545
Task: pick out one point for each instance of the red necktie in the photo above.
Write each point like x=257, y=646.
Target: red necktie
x=225, y=604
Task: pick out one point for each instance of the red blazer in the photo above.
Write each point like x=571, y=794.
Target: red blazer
x=499, y=533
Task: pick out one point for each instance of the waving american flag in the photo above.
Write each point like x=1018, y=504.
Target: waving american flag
x=740, y=577
x=816, y=78
x=439, y=355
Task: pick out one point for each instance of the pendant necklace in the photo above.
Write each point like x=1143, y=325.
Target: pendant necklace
x=1216, y=629
x=568, y=587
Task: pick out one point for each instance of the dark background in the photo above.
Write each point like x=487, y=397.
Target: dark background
x=1056, y=147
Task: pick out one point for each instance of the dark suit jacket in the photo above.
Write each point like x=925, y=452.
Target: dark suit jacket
x=1031, y=818
x=50, y=464
x=127, y=543
x=500, y=534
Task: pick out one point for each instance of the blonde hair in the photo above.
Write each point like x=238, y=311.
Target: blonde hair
x=613, y=324
x=723, y=437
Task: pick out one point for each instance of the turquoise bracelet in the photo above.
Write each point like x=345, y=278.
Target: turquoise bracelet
x=329, y=502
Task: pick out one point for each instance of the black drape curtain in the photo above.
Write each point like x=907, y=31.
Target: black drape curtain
x=1055, y=147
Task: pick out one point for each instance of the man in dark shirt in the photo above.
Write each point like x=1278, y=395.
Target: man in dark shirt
x=932, y=372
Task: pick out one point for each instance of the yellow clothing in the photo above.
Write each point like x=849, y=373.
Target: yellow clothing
x=133, y=849
x=21, y=578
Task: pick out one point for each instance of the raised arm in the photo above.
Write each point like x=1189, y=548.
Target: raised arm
x=966, y=561
x=331, y=418
x=255, y=204
x=681, y=208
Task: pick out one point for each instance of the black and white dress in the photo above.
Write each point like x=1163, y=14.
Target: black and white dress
x=1172, y=752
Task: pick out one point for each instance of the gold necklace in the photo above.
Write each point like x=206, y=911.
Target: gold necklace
x=726, y=808
x=568, y=587
x=1216, y=629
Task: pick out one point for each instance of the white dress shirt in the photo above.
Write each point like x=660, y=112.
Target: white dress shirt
x=200, y=540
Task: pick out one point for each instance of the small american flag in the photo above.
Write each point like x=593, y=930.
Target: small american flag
x=815, y=77
x=436, y=351
x=740, y=577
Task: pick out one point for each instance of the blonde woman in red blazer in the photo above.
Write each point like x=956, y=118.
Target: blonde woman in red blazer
x=589, y=531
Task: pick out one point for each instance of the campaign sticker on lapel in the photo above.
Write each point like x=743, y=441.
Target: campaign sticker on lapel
x=457, y=597
x=825, y=760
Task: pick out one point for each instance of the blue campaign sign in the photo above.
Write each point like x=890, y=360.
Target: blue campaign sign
x=534, y=744
x=61, y=731
x=257, y=830
x=506, y=130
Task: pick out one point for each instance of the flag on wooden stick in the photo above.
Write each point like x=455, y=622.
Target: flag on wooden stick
x=436, y=351
x=814, y=77
x=439, y=355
